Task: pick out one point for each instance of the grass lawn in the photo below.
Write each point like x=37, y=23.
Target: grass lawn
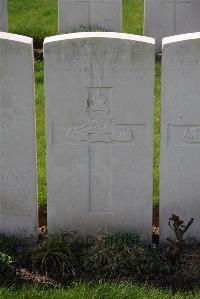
x=99, y=291
x=38, y=19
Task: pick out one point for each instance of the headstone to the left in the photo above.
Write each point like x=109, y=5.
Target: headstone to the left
x=18, y=188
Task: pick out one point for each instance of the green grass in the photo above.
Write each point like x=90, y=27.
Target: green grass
x=99, y=291
x=133, y=11
x=156, y=135
x=38, y=19
x=40, y=133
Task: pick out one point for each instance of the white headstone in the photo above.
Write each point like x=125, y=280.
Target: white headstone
x=180, y=133
x=18, y=192
x=103, y=14
x=99, y=111
x=169, y=17
x=3, y=15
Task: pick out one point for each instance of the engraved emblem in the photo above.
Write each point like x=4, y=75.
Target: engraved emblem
x=192, y=135
x=100, y=127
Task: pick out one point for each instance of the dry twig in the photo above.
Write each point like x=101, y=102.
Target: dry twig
x=179, y=229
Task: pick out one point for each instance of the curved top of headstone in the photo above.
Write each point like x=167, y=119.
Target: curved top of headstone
x=16, y=38
x=180, y=38
x=111, y=35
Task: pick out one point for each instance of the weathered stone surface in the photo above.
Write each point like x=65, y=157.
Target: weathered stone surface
x=103, y=14
x=180, y=133
x=169, y=17
x=18, y=192
x=3, y=15
x=99, y=112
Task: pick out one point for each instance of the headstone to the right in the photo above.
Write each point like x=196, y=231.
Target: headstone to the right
x=99, y=14
x=180, y=133
x=3, y=15
x=170, y=17
x=18, y=187
x=99, y=112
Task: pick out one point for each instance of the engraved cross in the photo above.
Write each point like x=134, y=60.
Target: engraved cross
x=100, y=132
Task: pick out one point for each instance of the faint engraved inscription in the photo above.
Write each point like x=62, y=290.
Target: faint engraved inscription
x=10, y=116
x=183, y=135
x=11, y=178
x=79, y=61
x=100, y=127
x=192, y=135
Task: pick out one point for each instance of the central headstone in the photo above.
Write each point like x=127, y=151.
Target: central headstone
x=3, y=15
x=170, y=17
x=99, y=14
x=99, y=90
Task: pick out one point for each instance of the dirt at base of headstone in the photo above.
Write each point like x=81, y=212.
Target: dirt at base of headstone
x=42, y=218
x=38, y=43
x=38, y=54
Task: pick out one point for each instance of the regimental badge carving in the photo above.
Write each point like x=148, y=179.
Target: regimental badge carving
x=100, y=127
x=192, y=135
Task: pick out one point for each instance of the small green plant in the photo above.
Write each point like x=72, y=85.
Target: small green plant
x=122, y=254
x=6, y=267
x=17, y=249
x=57, y=255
